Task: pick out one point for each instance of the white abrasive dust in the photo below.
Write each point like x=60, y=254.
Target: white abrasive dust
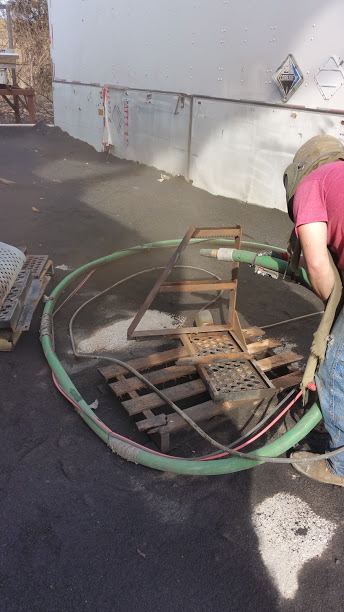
x=63, y=267
x=289, y=534
x=286, y=346
x=289, y=346
x=114, y=337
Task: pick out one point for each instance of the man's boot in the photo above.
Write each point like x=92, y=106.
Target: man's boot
x=316, y=470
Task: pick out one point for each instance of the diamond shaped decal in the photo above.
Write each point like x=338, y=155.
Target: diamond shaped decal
x=288, y=77
x=330, y=77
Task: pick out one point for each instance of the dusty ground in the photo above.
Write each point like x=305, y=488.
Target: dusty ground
x=84, y=530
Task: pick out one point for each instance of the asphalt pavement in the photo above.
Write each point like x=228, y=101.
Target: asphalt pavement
x=82, y=529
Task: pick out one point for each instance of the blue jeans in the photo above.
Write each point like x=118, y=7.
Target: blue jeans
x=330, y=385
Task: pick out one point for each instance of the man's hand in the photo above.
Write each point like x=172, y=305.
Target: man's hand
x=313, y=238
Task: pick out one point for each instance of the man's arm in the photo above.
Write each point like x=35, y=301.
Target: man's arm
x=313, y=238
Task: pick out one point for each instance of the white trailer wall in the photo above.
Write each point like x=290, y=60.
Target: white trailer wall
x=187, y=86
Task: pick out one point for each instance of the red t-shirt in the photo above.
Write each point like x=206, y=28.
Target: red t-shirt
x=320, y=197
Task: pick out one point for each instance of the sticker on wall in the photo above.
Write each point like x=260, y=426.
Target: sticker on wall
x=288, y=77
x=330, y=77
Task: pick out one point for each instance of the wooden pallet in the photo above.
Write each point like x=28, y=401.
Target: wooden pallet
x=184, y=383
x=9, y=337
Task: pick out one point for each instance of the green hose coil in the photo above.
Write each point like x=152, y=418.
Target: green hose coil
x=143, y=457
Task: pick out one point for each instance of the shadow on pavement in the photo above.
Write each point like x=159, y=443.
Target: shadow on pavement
x=83, y=529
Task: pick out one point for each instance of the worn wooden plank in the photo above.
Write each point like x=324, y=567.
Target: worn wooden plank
x=253, y=332
x=258, y=347
x=201, y=359
x=275, y=361
x=155, y=421
x=198, y=413
x=152, y=400
x=148, y=414
x=189, y=286
x=288, y=380
x=8, y=339
x=125, y=385
x=3, y=180
x=48, y=268
x=144, y=363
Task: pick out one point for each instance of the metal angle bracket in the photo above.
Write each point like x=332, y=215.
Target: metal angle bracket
x=266, y=272
x=29, y=305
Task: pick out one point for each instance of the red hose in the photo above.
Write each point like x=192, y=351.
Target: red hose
x=261, y=432
x=218, y=456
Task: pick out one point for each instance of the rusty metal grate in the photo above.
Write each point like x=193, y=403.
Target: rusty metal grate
x=233, y=376
x=210, y=344
x=11, y=262
x=35, y=264
x=228, y=379
x=10, y=311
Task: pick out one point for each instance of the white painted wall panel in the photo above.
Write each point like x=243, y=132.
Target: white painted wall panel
x=76, y=112
x=150, y=128
x=217, y=48
x=210, y=48
x=241, y=150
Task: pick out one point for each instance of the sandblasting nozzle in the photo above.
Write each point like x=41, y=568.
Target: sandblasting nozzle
x=222, y=254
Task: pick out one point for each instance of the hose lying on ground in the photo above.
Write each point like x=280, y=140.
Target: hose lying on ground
x=128, y=450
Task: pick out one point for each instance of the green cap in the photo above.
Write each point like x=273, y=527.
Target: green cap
x=316, y=152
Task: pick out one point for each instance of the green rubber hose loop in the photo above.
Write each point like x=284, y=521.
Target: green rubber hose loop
x=170, y=464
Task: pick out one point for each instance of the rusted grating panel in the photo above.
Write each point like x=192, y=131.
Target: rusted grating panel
x=228, y=379
x=25, y=300
x=234, y=376
x=210, y=344
x=35, y=264
x=13, y=303
x=11, y=262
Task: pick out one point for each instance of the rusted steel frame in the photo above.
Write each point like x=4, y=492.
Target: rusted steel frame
x=17, y=91
x=193, y=232
x=177, y=331
x=186, y=286
x=8, y=101
x=217, y=232
x=165, y=273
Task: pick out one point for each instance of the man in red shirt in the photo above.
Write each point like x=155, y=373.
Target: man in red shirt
x=315, y=196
